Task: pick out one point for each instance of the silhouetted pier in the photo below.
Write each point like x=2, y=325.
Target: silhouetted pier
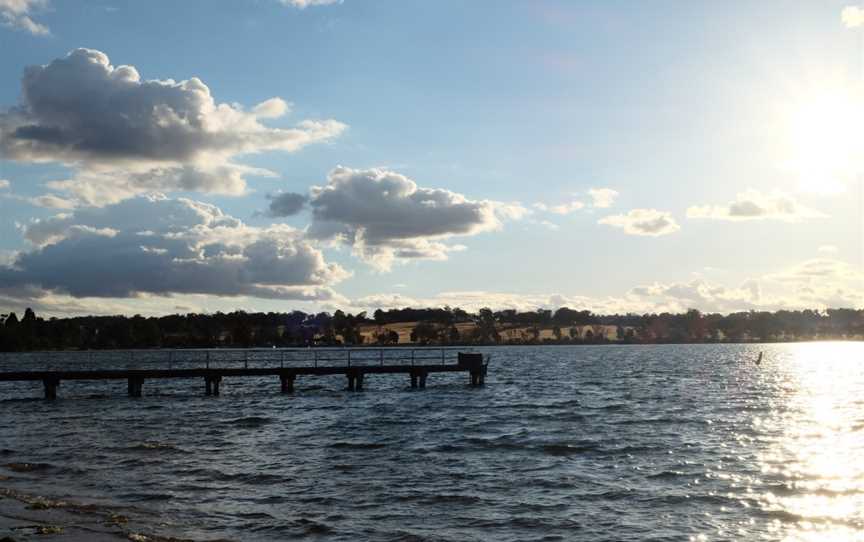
x=212, y=366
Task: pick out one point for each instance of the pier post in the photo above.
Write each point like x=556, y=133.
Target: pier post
x=359, y=382
x=351, y=381
x=211, y=385
x=287, y=383
x=51, y=385
x=413, y=379
x=135, y=386
x=423, y=375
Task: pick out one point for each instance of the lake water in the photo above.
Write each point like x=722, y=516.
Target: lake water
x=683, y=442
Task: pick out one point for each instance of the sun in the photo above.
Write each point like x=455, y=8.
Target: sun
x=824, y=132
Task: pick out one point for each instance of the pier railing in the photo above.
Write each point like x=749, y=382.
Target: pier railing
x=225, y=358
x=136, y=366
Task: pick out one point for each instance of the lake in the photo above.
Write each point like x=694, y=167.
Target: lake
x=586, y=443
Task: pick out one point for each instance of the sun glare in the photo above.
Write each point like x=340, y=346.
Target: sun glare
x=825, y=147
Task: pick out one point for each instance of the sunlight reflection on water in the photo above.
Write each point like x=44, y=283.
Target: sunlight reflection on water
x=815, y=452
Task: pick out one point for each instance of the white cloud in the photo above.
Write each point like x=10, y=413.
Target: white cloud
x=125, y=135
x=828, y=249
x=106, y=186
x=819, y=271
x=566, y=208
x=271, y=109
x=650, y=222
x=560, y=209
x=386, y=217
x=754, y=205
x=852, y=16
x=303, y=4
x=602, y=198
x=815, y=284
x=16, y=14
x=49, y=201
x=4, y=184
x=698, y=293
x=158, y=246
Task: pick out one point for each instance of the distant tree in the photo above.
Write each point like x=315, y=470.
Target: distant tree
x=424, y=333
x=486, y=330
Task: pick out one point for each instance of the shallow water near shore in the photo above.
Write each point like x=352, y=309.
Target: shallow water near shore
x=673, y=442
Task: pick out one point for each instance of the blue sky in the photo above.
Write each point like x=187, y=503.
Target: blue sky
x=517, y=108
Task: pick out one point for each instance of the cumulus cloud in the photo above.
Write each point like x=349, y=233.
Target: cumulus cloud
x=754, y=205
x=819, y=270
x=814, y=284
x=852, y=16
x=303, y=4
x=16, y=14
x=162, y=134
x=566, y=208
x=49, y=201
x=560, y=209
x=385, y=216
x=4, y=184
x=650, y=222
x=284, y=204
x=105, y=186
x=602, y=198
x=675, y=297
x=156, y=245
x=698, y=293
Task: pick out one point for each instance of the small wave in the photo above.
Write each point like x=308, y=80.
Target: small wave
x=653, y=421
x=666, y=475
x=791, y=517
x=28, y=467
x=567, y=449
x=250, y=421
x=162, y=447
x=358, y=445
x=442, y=498
x=147, y=497
x=311, y=527
x=628, y=450
x=498, y=443
x=255, y=515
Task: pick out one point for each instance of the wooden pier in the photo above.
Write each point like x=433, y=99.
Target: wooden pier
x=212, y=366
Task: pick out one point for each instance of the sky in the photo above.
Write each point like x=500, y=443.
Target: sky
x=271, y=155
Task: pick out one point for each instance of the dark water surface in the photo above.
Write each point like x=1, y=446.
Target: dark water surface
x=564, y=443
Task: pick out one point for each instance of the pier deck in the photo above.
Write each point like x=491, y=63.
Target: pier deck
x=217, y=364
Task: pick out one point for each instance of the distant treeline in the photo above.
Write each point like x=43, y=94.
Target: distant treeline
x=441, y=326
